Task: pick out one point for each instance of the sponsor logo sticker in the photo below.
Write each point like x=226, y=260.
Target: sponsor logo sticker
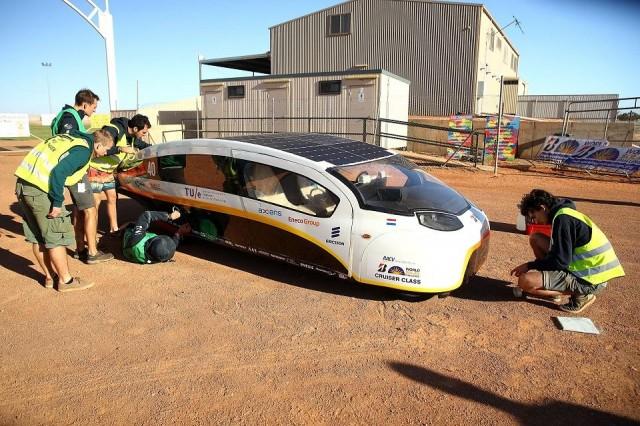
x=304, y=221
x=269, y=212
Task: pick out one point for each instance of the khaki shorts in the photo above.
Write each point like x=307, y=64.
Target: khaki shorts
x=38, y=228
x=81, y=194
x=564, y=281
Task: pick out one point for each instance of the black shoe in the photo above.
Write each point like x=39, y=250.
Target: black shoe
x=578, y=304
x=81, y=255
x=99, y=257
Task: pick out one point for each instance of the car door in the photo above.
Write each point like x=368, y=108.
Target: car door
x=297, y=214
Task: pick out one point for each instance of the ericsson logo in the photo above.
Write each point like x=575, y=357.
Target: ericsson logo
x=335, y=233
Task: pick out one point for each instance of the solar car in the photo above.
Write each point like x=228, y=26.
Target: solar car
x=345, y=208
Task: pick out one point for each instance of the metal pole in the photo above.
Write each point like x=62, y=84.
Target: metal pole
x=496, y=149
x=46, y=66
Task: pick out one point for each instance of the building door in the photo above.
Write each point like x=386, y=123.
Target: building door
x=213, y=112
x=361, y=104
x=276, y=111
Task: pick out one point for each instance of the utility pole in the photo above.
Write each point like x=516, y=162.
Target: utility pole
x=47, y=66
x=104, y=27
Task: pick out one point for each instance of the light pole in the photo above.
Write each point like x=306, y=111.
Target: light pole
x=47, y=65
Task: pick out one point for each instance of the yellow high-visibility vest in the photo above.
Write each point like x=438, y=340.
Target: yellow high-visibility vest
x=37, y=165
x=110, y=163
x=594, y=262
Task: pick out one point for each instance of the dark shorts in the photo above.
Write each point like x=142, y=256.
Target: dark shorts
x=81, y=194
x=37, y=227
x=564, y=281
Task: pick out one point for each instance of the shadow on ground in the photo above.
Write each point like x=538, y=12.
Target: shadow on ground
x=547, y=413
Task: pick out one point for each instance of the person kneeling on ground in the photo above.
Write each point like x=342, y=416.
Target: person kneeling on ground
x=578, y=260
x=141, y=246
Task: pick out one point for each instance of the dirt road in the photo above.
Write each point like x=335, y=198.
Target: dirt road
x=224, y=337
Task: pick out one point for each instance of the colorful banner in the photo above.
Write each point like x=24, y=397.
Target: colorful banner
x=460, y=122
x=559, y=148
x=509, y=129
x=607, y=159
x=590, y=154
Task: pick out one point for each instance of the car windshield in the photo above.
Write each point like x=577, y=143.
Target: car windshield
x=396, y=185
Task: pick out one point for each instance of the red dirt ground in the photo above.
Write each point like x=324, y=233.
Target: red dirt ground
x=225, y=337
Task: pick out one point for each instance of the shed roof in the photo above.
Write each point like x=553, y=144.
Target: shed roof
x=255, y=63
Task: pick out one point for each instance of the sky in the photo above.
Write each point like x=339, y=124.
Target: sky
x=568, y=46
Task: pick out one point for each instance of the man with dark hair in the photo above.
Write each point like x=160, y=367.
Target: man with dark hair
x=70, y=117
x=141, y=246
x=85, y=219
x=578, y=260
x=134, y=130
x=41, y=178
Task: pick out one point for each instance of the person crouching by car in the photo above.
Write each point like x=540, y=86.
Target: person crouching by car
x=141, y=246
x=578, y=260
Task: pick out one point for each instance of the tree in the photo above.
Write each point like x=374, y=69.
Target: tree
x=629, y=116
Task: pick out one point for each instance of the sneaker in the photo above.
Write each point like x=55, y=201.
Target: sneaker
x=99, y=257
x=75, y=285
x=81, y=255
x=578, y=303
x=50, y=282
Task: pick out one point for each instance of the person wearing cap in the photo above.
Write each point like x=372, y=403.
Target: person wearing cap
x=85, y=218
x=142, y=246
x=578, y=260
x=41, y=177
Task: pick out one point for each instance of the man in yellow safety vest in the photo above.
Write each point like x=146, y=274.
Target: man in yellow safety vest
x=51, y=165
x=578, y=260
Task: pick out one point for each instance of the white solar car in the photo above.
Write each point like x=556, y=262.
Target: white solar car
x=326, y=203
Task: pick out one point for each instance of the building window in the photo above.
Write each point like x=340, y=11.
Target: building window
x=492, y=39
x=235, y=91
x=514, y=62
x=339, y=24
x=499, y=43
x=330, y=87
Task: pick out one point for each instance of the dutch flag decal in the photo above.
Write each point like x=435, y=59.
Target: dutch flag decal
x=391, y=222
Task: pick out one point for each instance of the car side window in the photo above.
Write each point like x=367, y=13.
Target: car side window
x=171, y=168
x=289, y=190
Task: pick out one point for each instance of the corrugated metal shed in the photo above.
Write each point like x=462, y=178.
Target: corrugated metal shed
x=554, y=106
x=432, y=44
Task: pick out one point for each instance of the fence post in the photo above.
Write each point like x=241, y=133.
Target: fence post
x=308, y=124
x=378, y=130
x=364, y=130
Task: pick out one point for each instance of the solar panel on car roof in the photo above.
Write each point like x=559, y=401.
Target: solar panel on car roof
x=317, y=147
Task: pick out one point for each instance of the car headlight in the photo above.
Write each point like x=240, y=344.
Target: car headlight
x=439, y=221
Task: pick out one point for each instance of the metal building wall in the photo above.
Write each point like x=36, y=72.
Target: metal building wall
x=554, y=106
x=433, y=45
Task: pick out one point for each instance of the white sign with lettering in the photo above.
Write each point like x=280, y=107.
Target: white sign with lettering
x=14, y=125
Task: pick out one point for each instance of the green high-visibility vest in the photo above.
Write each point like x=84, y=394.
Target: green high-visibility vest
x=37, y=165
x=110, y=163
x=135, y=253
x=72, y=111
x=594, y=262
